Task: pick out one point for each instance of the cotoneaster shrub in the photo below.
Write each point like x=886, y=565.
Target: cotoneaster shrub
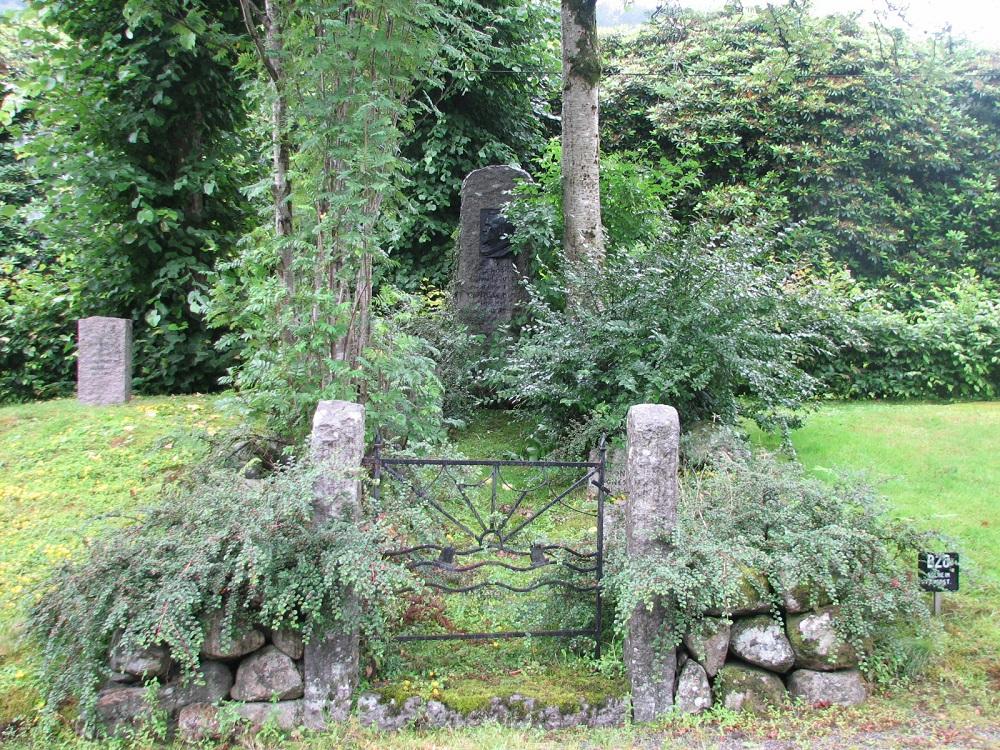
x=762, y=523
x=217, y=542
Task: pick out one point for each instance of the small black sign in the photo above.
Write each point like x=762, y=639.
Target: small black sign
x=938, y=571
x=495, y=232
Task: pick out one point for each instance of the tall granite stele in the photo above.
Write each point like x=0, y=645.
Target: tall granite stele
x=104, y=361
x=488, y=278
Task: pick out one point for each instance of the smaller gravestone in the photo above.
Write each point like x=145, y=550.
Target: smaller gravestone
x=488, y=278
x=104, y=361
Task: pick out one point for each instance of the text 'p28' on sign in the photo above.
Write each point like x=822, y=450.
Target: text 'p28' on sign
x=938, y=571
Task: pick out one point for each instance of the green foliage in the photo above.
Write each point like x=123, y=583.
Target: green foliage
x=882, y=151
x=765, y=517
x=404, y=395
x=298, y=302
x=703, y=319
x=487, y=103
x=138, y=110
x=947, y=347
x=37, y=334
x=634, y=196
x=37, y=304
x=247, y=548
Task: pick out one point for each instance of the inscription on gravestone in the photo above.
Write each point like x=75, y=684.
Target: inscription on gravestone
x=487, y=279
x=104, y=361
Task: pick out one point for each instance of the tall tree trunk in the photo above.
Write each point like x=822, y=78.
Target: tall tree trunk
x=583, y=237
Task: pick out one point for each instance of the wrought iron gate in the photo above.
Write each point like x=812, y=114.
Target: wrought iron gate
x=483, y=511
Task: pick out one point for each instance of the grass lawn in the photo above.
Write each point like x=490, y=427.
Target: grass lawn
x=939, y=465
x=65, y=469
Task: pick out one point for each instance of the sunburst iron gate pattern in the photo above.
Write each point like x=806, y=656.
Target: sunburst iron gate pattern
x=499, y=533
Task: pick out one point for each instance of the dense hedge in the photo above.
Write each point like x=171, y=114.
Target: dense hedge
x=947, y=348
x=883, y=152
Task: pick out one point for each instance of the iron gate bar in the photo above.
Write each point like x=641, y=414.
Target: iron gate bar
x=484, y=462
x=499, y=634
x=477, y=550
x=450, y=568
x=394, y=467
x=516, y=589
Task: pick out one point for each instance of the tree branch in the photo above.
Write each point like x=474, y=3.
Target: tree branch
x=250, y=23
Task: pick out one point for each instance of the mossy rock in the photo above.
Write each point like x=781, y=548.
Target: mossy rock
x=561, y=689
x=802, y=597
x=817, y=644
x=753, y=597
x=740, y=687
x=708, y=643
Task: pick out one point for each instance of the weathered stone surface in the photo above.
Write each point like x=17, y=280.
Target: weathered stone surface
x=331, y=661
x=266, y=675
x=487, y=289
x=104, y=361
x=744, y=688
x=152, y=661
x=214, y=685
x=118, y=708
x=201, y=721
x=845, y=688
x=753, y=596
x=515, y=710
x=285, y=715
x=817, y=644
x=694, y=694
x=289, y=642
x=653, y=433
x=761, y=641
x=218, y=645
x=803, y=597
x=709, y=644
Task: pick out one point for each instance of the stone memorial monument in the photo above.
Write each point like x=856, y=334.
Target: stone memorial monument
x=104, y=361
x=487, y=280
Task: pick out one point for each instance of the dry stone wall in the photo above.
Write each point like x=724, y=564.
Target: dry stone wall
x=752, y=656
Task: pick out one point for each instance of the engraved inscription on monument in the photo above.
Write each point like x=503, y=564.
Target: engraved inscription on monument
x=488, y=278
x=104, y=361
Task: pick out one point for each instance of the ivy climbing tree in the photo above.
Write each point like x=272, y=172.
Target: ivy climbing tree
x=339, y=76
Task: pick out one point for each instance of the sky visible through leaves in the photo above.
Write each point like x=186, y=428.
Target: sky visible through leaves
x=976, y=20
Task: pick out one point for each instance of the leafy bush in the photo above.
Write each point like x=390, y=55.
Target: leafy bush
x=633, y=198
x=395, y=375
x=138, y=155
x=949, y=347
x=38, y=313
x=762, y=523
x=879, y=148
x=702, y=319
x=216, y=543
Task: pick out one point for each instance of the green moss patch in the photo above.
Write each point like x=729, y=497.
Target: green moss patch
x=566, y=689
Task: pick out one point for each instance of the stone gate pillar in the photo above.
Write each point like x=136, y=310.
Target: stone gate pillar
x=650, y=516
x=337, y=446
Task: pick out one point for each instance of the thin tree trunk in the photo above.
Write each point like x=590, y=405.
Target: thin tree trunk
x=280, y=150
x=583, y=238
